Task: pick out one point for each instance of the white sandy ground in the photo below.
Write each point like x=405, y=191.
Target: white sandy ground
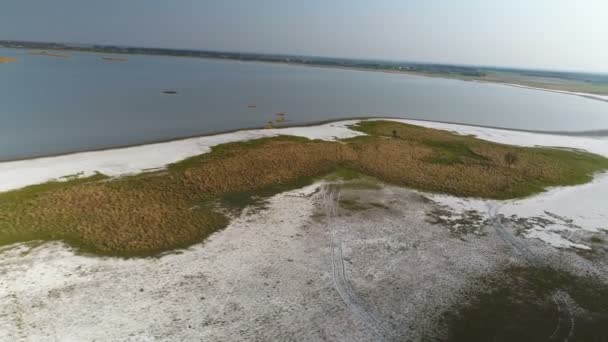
x=573, y=210
x=137, y=159
x=581, y=208
x=130, y=160
x=587, y=95
x=303, y=269
x=293, y=272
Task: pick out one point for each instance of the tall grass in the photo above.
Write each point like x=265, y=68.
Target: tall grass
x=154, y=212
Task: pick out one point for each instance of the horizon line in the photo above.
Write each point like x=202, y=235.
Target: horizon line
x=280, y=54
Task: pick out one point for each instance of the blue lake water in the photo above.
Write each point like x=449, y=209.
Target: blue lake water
x=51, y=105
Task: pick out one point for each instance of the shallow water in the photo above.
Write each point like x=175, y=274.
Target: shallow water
x=51, y=105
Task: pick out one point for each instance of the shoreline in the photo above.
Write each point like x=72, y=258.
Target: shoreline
x=590, y=96
x=603, y=98
x=132, y=160
x=602, y=133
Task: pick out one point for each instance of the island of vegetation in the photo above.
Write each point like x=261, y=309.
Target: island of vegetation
x=113, y=59
x=562, y=81
x=158, y=211
x=7, y=60
x=49, y=54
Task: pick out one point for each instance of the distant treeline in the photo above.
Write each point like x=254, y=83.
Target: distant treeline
x=433, y=69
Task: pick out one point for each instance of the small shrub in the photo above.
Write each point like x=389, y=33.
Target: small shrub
x=511, y=158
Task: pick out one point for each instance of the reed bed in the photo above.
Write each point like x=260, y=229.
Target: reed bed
x=154, y=212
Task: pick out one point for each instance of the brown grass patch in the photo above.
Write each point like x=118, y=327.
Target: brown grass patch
x=149, y=213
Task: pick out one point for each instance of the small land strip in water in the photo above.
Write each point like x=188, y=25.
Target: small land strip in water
x=7, y=60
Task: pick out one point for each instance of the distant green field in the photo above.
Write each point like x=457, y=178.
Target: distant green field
x=594, y=83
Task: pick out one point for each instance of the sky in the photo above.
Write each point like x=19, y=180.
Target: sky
x=543, y=34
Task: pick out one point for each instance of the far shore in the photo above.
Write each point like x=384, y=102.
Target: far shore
x=48, y=54
x=600, y=96
x=585, y=95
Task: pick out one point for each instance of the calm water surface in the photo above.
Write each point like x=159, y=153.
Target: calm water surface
x=52, y=105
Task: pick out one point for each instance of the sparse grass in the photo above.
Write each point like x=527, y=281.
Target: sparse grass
x=350, y=179
x=352, y=204
x=379, y=205
x=597, y=239
x=153, y=212
x=518, y=304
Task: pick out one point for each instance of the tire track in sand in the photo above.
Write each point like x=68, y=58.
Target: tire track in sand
x=356, y=305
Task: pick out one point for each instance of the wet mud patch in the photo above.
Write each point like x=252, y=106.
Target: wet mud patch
x=353, y=204
x=549, y=219
x=459, y=223
x=531, y=304
x=556, y=230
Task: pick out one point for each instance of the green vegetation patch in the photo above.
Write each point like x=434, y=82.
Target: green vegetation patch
x=531, y=304
x=467, y=166
x=153, y=212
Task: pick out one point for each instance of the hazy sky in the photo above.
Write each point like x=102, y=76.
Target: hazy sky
x=549, y=34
